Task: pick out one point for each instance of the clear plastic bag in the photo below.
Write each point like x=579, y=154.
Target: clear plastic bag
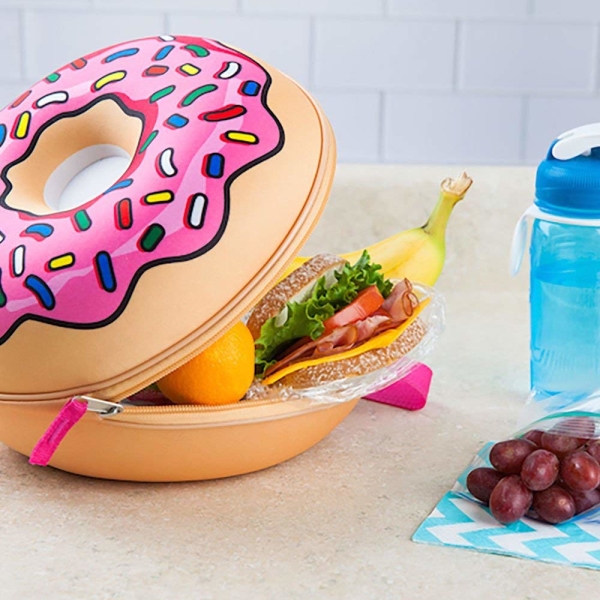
x=430, y=323
x=349, y=388
x=553, y=461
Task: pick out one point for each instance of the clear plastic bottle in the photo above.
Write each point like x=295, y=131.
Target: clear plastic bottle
x=565, y=265
x=565, y=307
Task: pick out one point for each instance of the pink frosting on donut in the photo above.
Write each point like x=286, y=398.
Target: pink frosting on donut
x=171, y=204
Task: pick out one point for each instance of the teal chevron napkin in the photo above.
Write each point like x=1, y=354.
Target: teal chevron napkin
x=460, y=520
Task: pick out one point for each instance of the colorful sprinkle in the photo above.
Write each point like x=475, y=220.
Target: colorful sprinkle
x=53, y=77
x=196, y=50
x=123, y=214
x=214, y=165
x=152, y=237
x=196, y=210
x=41, y=291
x=155, y=70
x=53, y=98
x=164, y=163
x=230, y=69
x=105, y=271
x=162, y=93
x=223, y=114
x=119, y=185
x=159, y=197
x=250, y=88
x=82, y=220
x=241, y=137
x=195, y=94
x=2, y=133
x=2, y=294
x=163, y=53
x=61, y=262
x=18, y=261
x=166, y=38
x=39, y=231
x=20, y=99
x=79, y=63
x=148, y=141
x=2, y=237
x=110, y=78
x=188, y=69
x=21, y=127
x=176, y=121
x=121, y=54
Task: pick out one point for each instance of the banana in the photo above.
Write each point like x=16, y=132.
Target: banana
x=415, y=253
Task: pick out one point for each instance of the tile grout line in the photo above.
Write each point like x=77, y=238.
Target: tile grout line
x=457, y=53
x=381, y=128
x=312, y=51
x=596, y=63
x=524, y=126
x=22, y=44
x=165, y=22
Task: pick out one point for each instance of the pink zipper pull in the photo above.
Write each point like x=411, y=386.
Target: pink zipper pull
x=70, y=414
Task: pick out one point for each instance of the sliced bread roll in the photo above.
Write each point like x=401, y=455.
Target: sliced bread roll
x=296, y=287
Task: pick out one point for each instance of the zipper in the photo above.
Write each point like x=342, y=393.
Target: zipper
x=104, y=408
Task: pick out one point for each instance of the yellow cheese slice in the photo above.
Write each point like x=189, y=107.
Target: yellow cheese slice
x=381, y=341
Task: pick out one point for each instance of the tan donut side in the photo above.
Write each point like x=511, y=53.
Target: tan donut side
x=177, y=309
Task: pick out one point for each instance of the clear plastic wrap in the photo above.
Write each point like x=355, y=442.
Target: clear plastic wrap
x=553, y=460
x=349, y=388
x=430, y=325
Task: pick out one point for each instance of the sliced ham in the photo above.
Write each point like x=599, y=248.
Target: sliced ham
x=329, y=343
x=401, y=303
x=367, y=327
x=398, y=307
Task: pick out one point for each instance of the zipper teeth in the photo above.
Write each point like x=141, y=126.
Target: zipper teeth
x=196, y=408
x=155, y=377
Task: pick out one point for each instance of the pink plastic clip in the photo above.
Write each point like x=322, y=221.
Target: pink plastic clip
x=409, y=393
x=70, y=414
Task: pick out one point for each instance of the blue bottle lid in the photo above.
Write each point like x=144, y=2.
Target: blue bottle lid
x=568, y=180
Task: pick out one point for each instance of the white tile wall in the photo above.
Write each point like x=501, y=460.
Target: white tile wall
x=281, y=41
x=527, y=57
x=455, y=81
x=374, y=54
x=54, y=38
x=425, y=128
x=463, y=9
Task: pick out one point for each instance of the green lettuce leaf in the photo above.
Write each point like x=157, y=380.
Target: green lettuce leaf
x=305, y=319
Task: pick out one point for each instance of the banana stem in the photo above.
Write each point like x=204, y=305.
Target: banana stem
x=451, y=192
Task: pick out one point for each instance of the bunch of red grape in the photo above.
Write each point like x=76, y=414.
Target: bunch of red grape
x=549, y=475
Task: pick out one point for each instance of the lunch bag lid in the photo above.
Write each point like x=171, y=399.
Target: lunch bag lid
x=173, y=308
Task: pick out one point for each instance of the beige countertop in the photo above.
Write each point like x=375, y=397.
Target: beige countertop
x=336, y=521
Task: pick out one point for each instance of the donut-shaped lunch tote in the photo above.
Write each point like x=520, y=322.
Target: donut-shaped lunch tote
x=229, y=166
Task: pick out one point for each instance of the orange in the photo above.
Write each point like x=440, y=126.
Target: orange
x=221, y=374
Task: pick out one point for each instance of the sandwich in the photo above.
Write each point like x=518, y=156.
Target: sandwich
x=330, y=320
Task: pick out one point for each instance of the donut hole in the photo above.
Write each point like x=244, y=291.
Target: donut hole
x=85, y=175
x=74, y=159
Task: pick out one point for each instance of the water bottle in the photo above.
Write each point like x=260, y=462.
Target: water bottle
x=565, y=265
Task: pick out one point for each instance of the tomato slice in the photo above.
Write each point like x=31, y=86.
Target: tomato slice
x=364, y=305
